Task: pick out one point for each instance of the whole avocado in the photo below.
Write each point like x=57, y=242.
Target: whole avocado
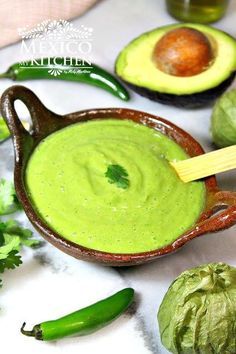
x=223, y=120
x=198, y=312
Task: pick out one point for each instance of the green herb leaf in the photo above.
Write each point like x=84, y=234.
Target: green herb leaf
x=4, y=132
x=12, y=238
x=118, y=175
x=11, y=243
x=8, y=200
x=12, y=261
x=11, y=229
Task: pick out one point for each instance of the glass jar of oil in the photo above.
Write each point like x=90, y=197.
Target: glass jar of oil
x=201, y=11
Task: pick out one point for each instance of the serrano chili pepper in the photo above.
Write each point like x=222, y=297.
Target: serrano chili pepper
x=84, y=321
x=70, y=69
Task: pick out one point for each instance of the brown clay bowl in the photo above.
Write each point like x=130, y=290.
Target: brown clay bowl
x=220, y=210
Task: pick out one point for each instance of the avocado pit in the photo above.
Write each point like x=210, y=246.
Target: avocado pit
x=183, y=52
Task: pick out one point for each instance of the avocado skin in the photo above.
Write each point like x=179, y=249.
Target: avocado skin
x=194, y=100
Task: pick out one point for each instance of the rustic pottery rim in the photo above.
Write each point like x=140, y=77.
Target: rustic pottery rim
x=220, y=210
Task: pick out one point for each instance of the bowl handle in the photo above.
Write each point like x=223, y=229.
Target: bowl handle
x=44, y=121
x=220, y=215
x=221, y=212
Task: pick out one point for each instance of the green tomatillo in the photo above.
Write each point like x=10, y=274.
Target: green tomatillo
x=198, y=312
x=223, y=120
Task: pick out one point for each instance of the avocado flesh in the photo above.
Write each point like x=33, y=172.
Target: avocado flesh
x=135, y=67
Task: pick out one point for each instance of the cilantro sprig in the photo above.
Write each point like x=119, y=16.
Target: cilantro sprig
x=118, y=175
x=8, y=199
x=12, y=238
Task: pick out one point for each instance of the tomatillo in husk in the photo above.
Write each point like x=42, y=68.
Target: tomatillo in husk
x=198, y=312
x=223, y=120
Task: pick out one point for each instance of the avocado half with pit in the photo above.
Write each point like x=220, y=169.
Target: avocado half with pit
x=186, y=65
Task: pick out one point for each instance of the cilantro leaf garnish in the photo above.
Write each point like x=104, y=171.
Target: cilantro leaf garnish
x=8, y=200
x=118, y=175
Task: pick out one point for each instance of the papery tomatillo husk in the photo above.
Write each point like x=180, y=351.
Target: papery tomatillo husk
x=198, y=312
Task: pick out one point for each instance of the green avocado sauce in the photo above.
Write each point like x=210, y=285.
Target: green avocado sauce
x=66, y=182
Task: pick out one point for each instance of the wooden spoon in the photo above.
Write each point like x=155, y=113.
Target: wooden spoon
x=207, y=164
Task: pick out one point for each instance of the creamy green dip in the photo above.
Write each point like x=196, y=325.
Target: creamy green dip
x=66, y=182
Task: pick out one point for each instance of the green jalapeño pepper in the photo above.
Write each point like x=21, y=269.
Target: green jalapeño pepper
x=84, y=321
x=69, y=69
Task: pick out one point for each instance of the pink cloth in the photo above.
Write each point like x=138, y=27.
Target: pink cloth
x=21, y=13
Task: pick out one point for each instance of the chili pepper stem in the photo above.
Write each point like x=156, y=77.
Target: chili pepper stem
x=27, y=333
x=5, y=76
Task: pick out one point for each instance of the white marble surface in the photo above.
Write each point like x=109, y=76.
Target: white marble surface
x=50, y=283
